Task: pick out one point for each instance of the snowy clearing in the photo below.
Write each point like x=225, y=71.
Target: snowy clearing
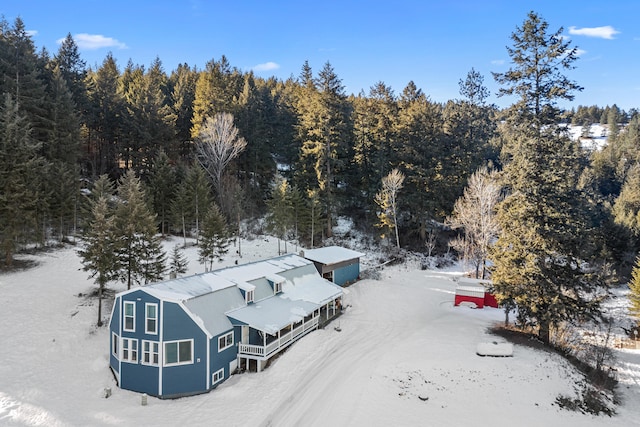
x=401, y=355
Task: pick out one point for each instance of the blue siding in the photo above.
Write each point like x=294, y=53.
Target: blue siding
x=136, y=376
x=184, y=379
x=221, y=360
x=114, y=327
x=346, y=274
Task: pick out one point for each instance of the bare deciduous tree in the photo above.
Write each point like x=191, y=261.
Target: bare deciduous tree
x=386, y=198
x=218, y=144
x=475, y=213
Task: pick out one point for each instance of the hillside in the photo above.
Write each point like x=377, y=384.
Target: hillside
x=404, y=356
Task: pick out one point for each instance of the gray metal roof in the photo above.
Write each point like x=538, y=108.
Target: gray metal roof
x=210, y=309
x=331, y=255
x=272, y=314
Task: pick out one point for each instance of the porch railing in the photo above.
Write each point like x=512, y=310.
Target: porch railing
x=279, y=343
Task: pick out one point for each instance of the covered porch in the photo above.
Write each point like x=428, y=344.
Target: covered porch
x=270, y=326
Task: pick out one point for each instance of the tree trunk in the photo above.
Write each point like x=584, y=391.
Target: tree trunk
x=544, y=332
x=100, y=304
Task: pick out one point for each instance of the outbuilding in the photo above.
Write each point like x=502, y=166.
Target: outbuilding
x=337, y=264
x=475, y=291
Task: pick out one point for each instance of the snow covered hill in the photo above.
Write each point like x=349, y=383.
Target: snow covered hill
x=403, y=356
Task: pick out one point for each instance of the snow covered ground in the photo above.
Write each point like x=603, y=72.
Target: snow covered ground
x=404, y=356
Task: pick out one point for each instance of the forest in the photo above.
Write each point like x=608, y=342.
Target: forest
x=194, y=151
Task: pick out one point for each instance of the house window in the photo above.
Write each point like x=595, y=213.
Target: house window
x=114, y=345
x=129, y=350
x=217, y=376
x=129, y=316
x=248, y=296
x=225, y=341
x=178, y=352
x=150, y=352
x=277, y=288
x=151, y=319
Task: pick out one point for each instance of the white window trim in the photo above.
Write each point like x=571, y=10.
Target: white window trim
x=248, y=296
x=130, y=349
x=124, y=316
x=190, y=362
x=150, y=352
x=146, y=318
x=115, y=345
x=220, y=375
x=277, y=287
x=224, y=337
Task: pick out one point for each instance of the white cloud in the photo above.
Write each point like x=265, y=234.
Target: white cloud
x=580, y=52
x=267, y=66
x=606, y=32
x=32, y=33
x=95, y=41
x=498, y=62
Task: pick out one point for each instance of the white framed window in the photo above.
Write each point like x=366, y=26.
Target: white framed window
x=129, y=350
x=225, y=341
x=178, y=352
x=115, y=340
x=151, y=318
x=217, y=376
x=277, y=287
x=129, y=324
x=150, y=352
x=248, y=296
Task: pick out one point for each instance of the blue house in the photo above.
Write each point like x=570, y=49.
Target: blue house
x=185, y=336
x=337, y=264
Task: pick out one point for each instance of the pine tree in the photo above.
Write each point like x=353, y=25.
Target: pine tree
x=634, y=292
x=140, y=258
x=214, y=243
x=279, y=210
x=539, y=258
x=178, y=262
x=98, y=252
x=626, y=210
x=19, y=163
x=162, y=188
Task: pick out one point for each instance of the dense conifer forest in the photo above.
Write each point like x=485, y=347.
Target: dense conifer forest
x=310, y=152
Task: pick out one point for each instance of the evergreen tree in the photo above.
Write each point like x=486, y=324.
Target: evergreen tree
x=162, y=188
x=280, y=210
x=19, y=183
x=214, y=243
x=539, y=258
x=178, y=262
x=626, y=210
x=98, y=252
x=140, y=258
x=192, y=200
x=634, y=292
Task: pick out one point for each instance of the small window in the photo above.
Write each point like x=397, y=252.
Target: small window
x=277, y=287
x=129, y=350
x=217, y=376
x=151, y=319
x=225, y=341
x=114, y=345
x=178, y=352
x=150, y=353
x=129, y=316
x=248, y=296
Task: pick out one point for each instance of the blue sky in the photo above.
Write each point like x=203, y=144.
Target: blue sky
x=433, y=43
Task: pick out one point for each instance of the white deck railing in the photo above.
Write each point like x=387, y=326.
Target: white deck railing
x=279, y=343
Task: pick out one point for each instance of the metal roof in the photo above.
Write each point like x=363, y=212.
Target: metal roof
x=331, y=255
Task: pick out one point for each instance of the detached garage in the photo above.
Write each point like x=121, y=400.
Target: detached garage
x=334, y=263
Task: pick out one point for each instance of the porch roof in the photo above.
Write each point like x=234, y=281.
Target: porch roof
x=272, y=314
